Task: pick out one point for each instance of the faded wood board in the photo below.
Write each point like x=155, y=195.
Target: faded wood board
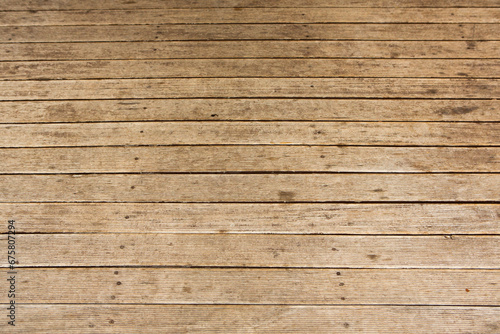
x=256, y=158
x=415, y=218
x=250, y=68
x=259, y=286
x=251, y=15
x=256, y=319
x=250, y=110
x=250, y=87
x=250, y=133
x=250, y=188
x=237, y=250
x=217, y=32
x=250, y=49
x=158, y=4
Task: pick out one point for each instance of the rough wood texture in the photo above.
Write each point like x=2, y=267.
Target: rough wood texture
x=250, y=110
x=67, y=319
x=254, y=218
x=141, y=4
x=252, y=15
x=237, y=250
x=251, y=166
x=259, y=286
x=253, y=133
x=250, y=87
x=250, y=49
x=250, y=68
x=213, y=32
x=250, y=188
x=221, y=159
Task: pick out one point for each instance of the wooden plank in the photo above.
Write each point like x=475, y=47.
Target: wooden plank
x=249, y=188
x=250, y=109
x=186, y=159
x=250, y=250
x=152, y=4
x=250, y=87
x=249, y=133
x=251, y=15
x=254, y=218
x=258, y=286
x=127, y=33
x=250, y=49
x=254, y=319
x=240, y=68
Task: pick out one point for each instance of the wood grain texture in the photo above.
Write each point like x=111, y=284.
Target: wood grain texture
x=218, y=32
x=241, y=68
x=250, y=49
x=250, y=110
x=259, y=286
x=254, y=218
x=251, y=15
x=221, y=159
x=158, y=4
x=237, y=250
x=250, y=133
x=250, y=188
x=249, y=87
x=66, y=319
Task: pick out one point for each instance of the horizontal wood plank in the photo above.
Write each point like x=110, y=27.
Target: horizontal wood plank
x=250, y=49
x=182, y=159
x=158, y=4
x=127, y=33
x=249, y=188
x=66, y=319
x=241, y=68
x=251, y=15
x=258, y=286
x=254, y=218
x=237, y=250
x=250, y=87
x=250, y=133
x=249, y=109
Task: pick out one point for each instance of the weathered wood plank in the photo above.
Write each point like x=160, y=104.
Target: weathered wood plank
x=240, y=68
x=110, y=319
x=237, y=250
x=153, y=4
x=258, y=286
x=250, y=87
x=391, y=32
x=249, y=188
x=249, y=109
x=255, y=218
x=251, y=49
x=251, y=15
x=184, y=159
x=249, y=133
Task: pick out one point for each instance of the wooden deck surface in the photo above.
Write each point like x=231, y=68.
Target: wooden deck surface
x=251, y=166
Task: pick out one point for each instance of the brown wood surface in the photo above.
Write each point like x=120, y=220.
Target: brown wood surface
x=250, y=166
